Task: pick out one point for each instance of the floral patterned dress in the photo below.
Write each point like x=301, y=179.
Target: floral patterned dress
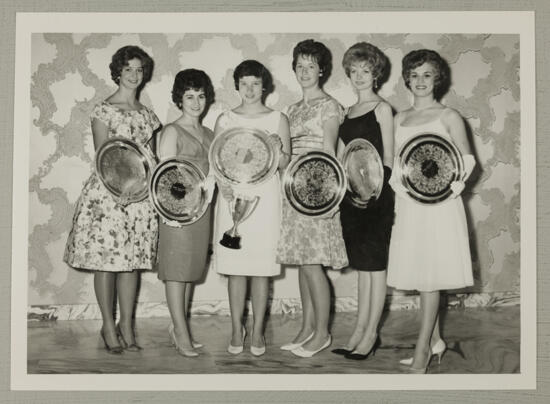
x=106, y=236
x=311, y=240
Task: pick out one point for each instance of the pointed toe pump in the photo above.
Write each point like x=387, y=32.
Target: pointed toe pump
x=190, y=353
x=361, y=357
x=237, y=349
x=438, y=349
x=134, y=347
x=114, y=350
x=304, y=353
x=293, y=345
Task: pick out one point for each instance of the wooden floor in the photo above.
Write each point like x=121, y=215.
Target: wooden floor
x=479, y=340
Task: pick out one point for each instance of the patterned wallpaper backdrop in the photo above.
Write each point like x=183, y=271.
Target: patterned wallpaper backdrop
x=70, y=74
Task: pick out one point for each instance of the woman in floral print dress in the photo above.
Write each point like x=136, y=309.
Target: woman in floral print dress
x=108, y=238
x=312, y=242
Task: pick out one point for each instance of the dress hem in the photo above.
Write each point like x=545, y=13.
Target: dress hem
x=435, y=289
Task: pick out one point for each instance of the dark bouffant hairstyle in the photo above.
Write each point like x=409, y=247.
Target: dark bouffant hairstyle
x=192, y=79
x=371, y=55
x=319, y=52
x=255, y=69
x=442, y=71
x=124, y=55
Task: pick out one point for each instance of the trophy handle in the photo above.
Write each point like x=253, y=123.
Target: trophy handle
x=256, y=199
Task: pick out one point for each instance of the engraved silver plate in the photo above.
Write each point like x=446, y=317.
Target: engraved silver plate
x=364, y=171
x=177, y=192
x=124, y=167
x=243, y=157
x=315, y=183
x=429, y=163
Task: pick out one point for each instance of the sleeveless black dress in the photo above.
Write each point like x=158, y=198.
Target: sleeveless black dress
x=367, y=231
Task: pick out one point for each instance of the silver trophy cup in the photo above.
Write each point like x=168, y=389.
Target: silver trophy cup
x=240, y=207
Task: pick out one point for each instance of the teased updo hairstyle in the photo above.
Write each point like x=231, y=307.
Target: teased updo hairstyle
x=417, y=58
x=124, y=55
x=256, y=69
x=319, y=52
x=377, y=61
x=192, y=79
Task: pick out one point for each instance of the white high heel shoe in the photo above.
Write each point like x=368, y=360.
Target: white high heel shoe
x=438, y=349
x=304, y=353
x=257, y=350
x=235, y=350
x=291, y=346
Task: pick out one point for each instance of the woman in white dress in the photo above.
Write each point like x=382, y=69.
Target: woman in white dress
x=429, y=248
x=255, y=260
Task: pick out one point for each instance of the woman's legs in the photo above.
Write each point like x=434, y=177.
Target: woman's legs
x=237, y=294
x=429, y=304
x=259, y=290
x=320, y=300
x=126, y=283
x=308, y=316
x=176, y=297
x=363, y=302
x=187, y=300
x=436, y=334
x=187, y=303
x=377, y=298
x=104, y=286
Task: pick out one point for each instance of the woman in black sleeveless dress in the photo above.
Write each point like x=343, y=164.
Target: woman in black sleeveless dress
x=367, y=231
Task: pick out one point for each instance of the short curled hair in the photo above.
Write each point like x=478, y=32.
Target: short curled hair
x=256, y=69
x=372, y=56
x=192, y=79
x=124, y=55
x=319, y=52
x=417, y=58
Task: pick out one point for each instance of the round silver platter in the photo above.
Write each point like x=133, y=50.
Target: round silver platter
x=176, y=191
x=364, y=171
x=429, y=163
x=124, y=167
x=243, y=157
x=315, y=183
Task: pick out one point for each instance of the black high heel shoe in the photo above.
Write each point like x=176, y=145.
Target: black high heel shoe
x=115, y=350
x=129, y=347
x=342, y=351
x=361, y=357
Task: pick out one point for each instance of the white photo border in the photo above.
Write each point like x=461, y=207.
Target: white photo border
x=463, y=22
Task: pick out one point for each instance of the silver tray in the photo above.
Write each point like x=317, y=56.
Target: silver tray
x=125, y=168
x=177, y=193
x=364, y=171
x=315, y=183
x=429, y=163
x=243, y=157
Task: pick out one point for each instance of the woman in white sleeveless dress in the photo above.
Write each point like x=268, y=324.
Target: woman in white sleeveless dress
x=256, y=259
x=429, y=248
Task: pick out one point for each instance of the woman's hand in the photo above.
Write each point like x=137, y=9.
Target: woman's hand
x=275, y=141
x=456, y=188
x=209, y=185
x=398, y=187
x=226, y=191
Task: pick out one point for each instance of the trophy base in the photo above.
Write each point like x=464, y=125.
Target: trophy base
x=231, y=242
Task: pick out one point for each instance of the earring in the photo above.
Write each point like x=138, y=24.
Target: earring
x=375, y=84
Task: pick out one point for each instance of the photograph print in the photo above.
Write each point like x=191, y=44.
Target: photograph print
x=213, y=202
